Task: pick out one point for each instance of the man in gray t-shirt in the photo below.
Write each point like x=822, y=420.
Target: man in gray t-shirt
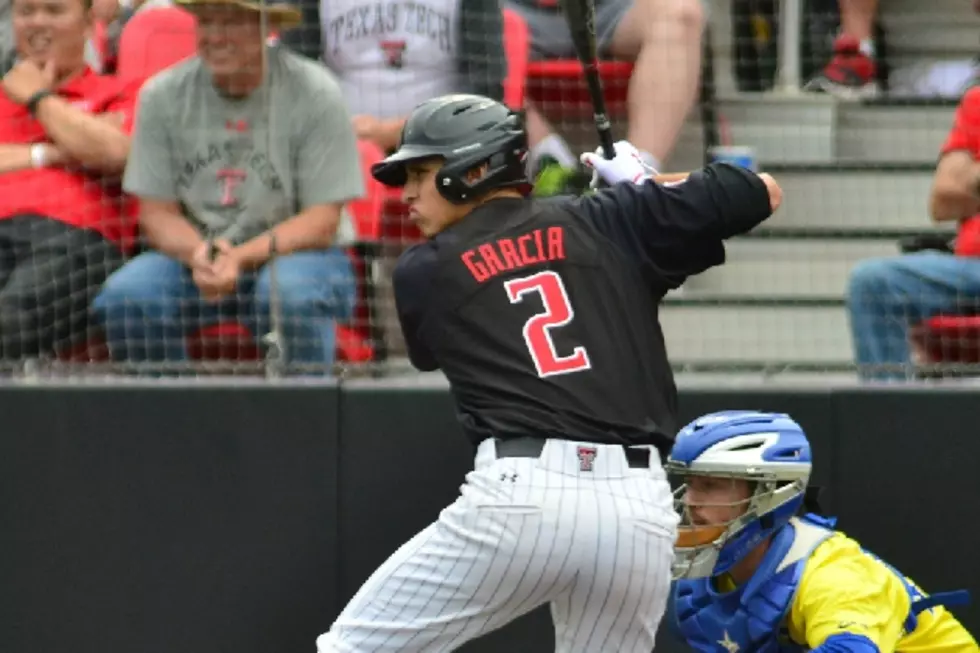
x=232, y=168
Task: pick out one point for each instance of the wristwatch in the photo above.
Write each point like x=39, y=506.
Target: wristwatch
x=35, y=100
x=39, y=156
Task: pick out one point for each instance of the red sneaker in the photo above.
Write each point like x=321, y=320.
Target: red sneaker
x=850, y=75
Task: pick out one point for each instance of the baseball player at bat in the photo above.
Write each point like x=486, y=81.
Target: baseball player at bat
x=542, y=314
x=759, y=570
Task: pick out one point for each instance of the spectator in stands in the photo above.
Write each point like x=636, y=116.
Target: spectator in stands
x=63, y=144
x=887, y=295
x=852, y=72
x=662, y=37
x=390, y=58
x=8, y=50
x=254, y=153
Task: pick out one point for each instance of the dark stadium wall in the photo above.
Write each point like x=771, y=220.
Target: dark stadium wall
x=241, y=518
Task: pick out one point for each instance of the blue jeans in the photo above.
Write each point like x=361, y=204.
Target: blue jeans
x=150, y=304
x=885, y=296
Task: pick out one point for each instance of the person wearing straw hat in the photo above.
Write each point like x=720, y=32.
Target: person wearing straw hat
x=280, y=15
x=241, y=156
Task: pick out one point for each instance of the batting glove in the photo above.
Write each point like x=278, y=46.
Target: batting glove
x=627, y=165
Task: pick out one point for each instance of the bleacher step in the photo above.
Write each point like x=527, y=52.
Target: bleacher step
x=896, y=133
x=776, y=335
x=789, y=268
x=937, y=33
x=806, y=129
x=841, y=198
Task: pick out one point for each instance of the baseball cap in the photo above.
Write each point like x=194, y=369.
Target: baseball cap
x=281, y=14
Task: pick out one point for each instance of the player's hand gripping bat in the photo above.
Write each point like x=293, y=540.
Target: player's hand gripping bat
x=580, y=16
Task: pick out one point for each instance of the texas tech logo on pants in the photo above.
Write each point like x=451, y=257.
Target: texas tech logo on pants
x=586, y=458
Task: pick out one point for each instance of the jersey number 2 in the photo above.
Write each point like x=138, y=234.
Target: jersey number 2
x=537, y=330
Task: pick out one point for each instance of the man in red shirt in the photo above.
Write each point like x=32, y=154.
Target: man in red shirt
x=64, y=139
x=886, y=295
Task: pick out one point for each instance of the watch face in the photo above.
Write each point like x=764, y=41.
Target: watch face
x=38, y=155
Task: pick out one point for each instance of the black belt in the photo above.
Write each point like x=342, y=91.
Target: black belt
x=528, y=447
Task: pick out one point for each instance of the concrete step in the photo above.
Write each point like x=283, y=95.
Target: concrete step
x=961, y=9
x=808, y=129
x=858, y=199
x=751, y=335
x=777, y=267
x=898, y=133
x=943, y=33
x=816, y=129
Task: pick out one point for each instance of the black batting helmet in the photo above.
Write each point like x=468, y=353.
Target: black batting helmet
x=465, y=131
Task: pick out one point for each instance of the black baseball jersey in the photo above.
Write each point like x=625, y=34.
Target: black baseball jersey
x=543, y=314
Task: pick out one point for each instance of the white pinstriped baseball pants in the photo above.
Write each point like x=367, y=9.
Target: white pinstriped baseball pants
x=596, y=544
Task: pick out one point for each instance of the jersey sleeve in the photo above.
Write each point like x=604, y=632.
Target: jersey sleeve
x=851, y=593
x=965, y=133
x=677, y=230
x=411, y=281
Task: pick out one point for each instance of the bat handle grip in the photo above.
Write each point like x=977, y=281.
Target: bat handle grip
x=605, y=137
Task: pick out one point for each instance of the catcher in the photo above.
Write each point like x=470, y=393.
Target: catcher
x=753, y=576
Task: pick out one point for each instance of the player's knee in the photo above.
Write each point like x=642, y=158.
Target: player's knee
x=687, y=15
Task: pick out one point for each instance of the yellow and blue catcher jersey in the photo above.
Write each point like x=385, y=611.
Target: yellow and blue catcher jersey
x=844, y=589
x=813, y=584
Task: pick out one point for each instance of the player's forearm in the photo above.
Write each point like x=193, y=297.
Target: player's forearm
x=955, y=192
x=671, y=177
x=15, y=157
x=94, y=143
x=847, y=643
x=170, y=233
x=391, y=133
x=742, y=199
x=313, y=228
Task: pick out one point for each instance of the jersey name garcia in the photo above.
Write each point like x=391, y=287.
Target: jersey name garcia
x=391, y=55
x=506, y=254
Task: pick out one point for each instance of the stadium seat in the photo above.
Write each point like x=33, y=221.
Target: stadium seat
x=947, y=339
x=558, y=88
x=100, y=41
x=363, y=339
x=357, y=342
x=517, y=45
x=155, y=39
x=950, y=338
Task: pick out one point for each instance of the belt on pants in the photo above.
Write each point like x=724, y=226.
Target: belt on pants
x=528, y=447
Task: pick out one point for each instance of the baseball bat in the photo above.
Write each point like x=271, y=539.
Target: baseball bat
x=580, y=16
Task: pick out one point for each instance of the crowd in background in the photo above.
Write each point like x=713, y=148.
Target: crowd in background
x=140, y=210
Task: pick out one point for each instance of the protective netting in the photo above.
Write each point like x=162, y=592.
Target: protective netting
x=849, y=113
